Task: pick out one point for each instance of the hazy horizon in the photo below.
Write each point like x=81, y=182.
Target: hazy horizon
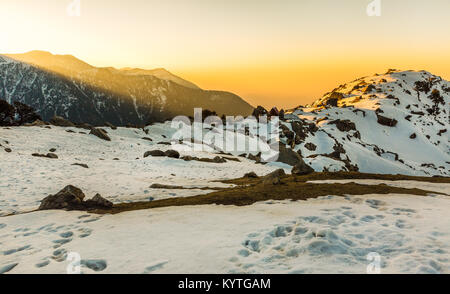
x=268, y=53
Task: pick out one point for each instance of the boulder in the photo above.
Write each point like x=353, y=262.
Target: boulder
x=156, y=153
x=385, y=121
x=302, y=169
x=274, y=178
x=52, y=155
x=344, y=125
x=98, y=202
x=413, y=136
x=311, y=146
x=100, y=133
x=251, y=175
x=61, y=122
x=70, y=198
x=110, y=125
x=8, y=150
x=85, y=126
x=288, y=156
x=172, y=154
x=332, y=102
x=219, y=159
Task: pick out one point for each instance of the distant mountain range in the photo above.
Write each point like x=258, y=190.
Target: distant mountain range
x=66, y=86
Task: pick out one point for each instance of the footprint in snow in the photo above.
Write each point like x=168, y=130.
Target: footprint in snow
x=97, y=265
x=156, y=266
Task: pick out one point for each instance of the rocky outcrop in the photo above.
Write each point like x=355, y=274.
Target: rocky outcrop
x=61, y=122
x=172, y=154
x=100, y=133
x=259, y=111
x=302, y=168
x=98, y=202
x=385, y=121
x=344, y=125
x=155, y=153
x=288, y=156
x=72, y=198
x=274, y=178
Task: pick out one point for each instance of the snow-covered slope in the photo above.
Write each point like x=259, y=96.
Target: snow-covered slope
x=396, y=122
x=116, y=169
x=66, y=86
x=410, y=234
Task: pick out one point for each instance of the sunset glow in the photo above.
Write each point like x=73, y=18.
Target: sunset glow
x=269, y=54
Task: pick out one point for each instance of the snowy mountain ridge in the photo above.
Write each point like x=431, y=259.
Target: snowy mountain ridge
x=66, y=86
x=396, y=122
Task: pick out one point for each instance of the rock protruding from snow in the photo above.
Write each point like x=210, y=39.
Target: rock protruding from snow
x=98, y=202
x=100, y=133
x=70, y=198
x=61, y=122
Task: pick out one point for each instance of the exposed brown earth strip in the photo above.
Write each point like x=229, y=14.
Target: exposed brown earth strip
x=351, y=176
x=293, y=188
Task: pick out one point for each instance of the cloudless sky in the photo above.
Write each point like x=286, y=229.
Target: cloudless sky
x=270, y=52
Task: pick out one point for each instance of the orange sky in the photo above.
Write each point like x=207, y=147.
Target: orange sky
x=270, y=52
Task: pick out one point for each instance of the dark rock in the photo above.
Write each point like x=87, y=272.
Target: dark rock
x=110, y=125
x=256, y=157
x=219, y=159
x=251, y=175
x=344, y=125
x=259, y=111
x=164, y=143
x=61, y=122
x=48, y=155
x=100, y=133
x=98, y=202
x=413, y=136
x=332, y=102
x=8, y=150
x=52, y=150
x=156, y=153
x=310, y=146
x=288, y=156
x=81, y=164
x=385, y=121
x=274, y=112
x=84, y=126
x=146, y=138
x=172, y=154
x=302, y=169
x=70, y=198
x=274, y=178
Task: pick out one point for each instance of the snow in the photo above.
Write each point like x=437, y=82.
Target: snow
x=25, y=180
x=413, y=154
x=325, y=235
